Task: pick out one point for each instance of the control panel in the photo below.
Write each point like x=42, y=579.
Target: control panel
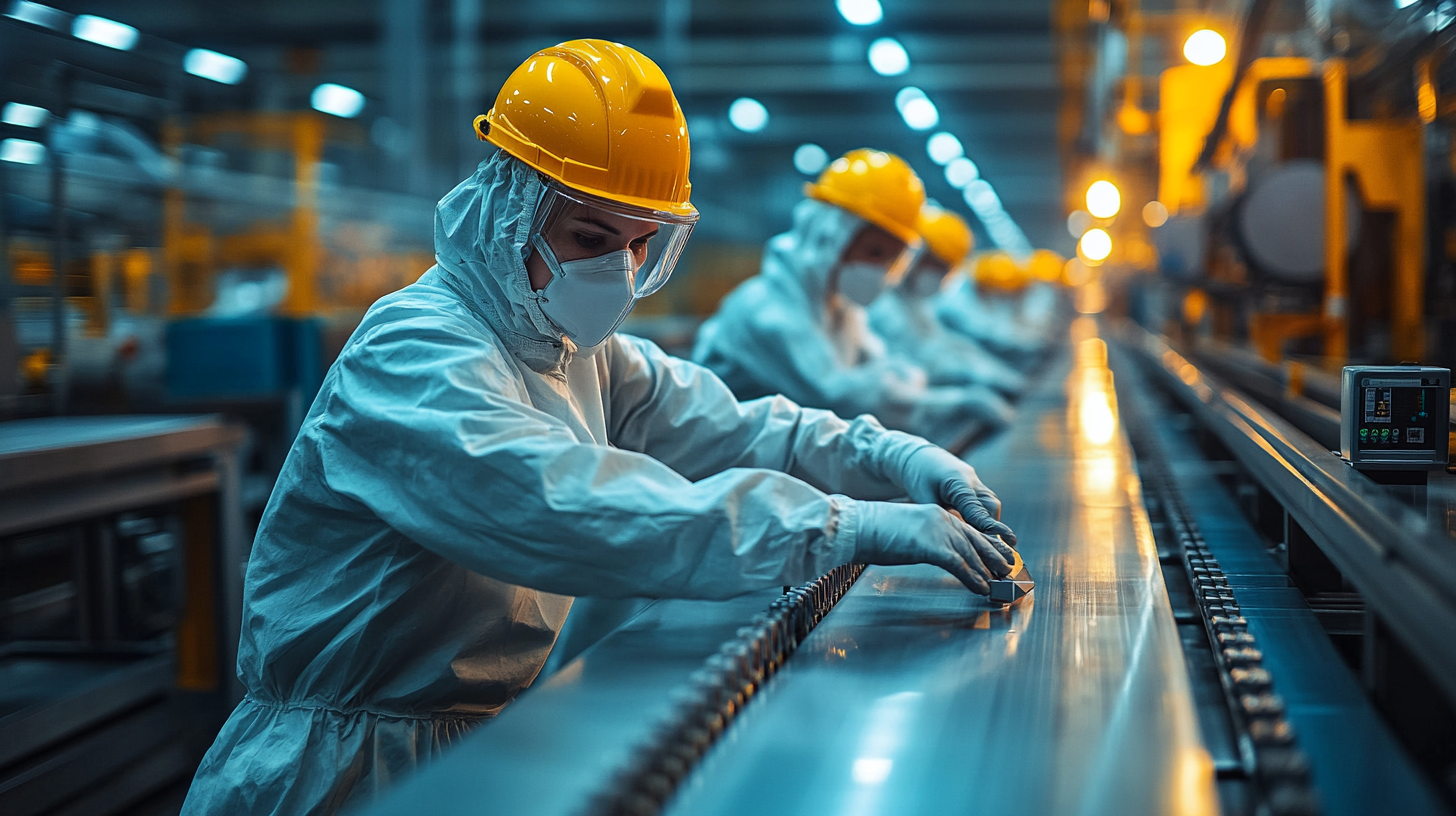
x=1395, y=417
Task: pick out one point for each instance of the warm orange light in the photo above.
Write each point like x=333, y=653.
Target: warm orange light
x=1205, y=47
x=1095, y=246
x=1155, y=214
x=1103, y=199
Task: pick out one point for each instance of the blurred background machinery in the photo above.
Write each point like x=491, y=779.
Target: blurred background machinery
x=198, y=202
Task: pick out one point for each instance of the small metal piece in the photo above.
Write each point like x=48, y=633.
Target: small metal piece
x=1015, y=586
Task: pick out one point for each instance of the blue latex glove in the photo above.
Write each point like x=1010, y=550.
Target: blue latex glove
x=893, y=534
x=934, y=476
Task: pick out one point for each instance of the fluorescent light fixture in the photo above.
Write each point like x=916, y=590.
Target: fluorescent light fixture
x=944, y=147
x=105, y=32
x=23, y=115
x=810, y=159
x=22, y=151
x=748, y=114
x=338, y=100
x=982, y=198
x=960, y=172
x=217, y=67
x=888, y=57
x=1095, y=245
x=1400, y=4
x=916, y=109
x=860, y=12
x=36, y=14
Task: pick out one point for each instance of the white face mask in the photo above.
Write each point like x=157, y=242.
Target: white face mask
x=861, y=282
x=589, y=298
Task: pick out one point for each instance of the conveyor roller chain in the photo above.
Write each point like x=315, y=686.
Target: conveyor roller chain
x=1268, y=748
x=717, y=692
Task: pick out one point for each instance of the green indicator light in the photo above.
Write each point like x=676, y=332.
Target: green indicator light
x=1384, y=434
x=1364, y=433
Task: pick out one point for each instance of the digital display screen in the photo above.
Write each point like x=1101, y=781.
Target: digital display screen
x=1400, y=413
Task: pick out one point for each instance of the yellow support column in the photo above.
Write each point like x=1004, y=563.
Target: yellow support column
x=302, y=261
x=1387, y=159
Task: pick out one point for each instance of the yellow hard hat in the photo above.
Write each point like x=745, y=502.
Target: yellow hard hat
x=946, y=235
x=876, y=186
x=599, y=117
x=1046, y=265
x=1000, y=272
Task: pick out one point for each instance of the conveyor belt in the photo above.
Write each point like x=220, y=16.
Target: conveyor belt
x=912, y=695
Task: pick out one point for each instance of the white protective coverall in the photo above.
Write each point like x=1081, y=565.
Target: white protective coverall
x=461, y=475
x=779, y=333
x=910, y=329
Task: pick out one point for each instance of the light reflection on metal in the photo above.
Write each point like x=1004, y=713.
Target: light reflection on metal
x=887, y=730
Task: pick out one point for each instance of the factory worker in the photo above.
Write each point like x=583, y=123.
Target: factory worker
x=990, y=307
x=485, y=448
x=799, y=328
x=904, y=314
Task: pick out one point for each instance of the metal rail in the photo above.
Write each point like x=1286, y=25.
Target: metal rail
x=1387, y=551
x=1269, y=753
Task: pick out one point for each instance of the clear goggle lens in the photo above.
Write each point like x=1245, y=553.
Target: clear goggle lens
x=578, y=226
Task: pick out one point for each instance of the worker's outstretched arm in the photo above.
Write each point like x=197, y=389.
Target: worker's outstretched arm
x=426, y=427
x=683, y=415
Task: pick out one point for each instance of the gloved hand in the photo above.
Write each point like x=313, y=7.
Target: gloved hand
x=934, y=476
x=893, y=534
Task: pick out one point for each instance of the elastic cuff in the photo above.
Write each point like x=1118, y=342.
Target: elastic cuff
x=843, y=543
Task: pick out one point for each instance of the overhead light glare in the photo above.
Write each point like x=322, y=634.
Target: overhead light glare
x=888, y=57
x=36, y=14
x=944, y=148
x=748, y=114
x=201, y=62
x=1103, y=199
x=810, y=159
x=1095, y=245
x=22, y=151
x=981, y=197
x=338, y=100
x=860, y=12
x=1205, y=47
x=20, y=114
x=916, y=109
x=105, y=32
x=960, y=172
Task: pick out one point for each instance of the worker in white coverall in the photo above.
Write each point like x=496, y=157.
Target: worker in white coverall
x=904, y=314
x=999, y=305
x=485, y=448
x=799, y=328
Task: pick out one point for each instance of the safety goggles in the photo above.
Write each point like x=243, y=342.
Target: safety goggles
x=579, y=226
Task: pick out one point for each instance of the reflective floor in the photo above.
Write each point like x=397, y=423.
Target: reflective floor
x=915, y=696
